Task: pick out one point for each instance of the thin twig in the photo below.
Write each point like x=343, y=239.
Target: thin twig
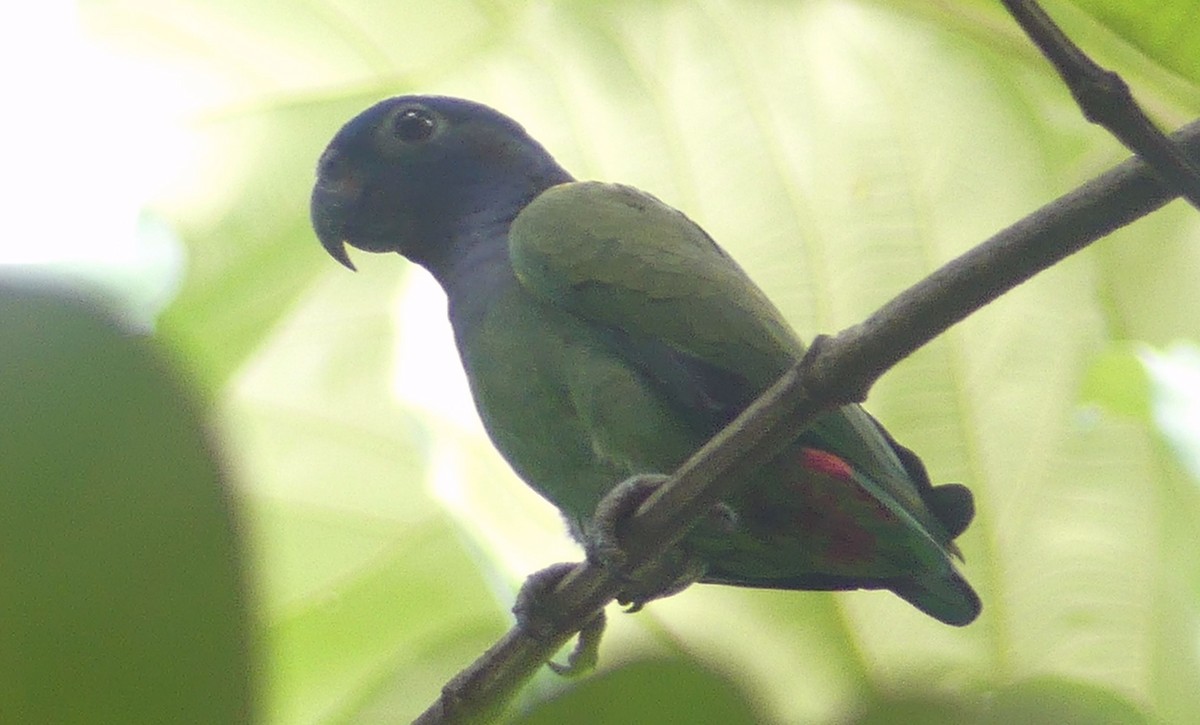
x=838, y=370
x=1106, y=100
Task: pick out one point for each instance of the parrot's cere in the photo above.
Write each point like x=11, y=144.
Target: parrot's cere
x=605, y=335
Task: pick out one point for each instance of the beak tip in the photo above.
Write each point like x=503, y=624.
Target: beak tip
x=328, y=209
x=338, y=252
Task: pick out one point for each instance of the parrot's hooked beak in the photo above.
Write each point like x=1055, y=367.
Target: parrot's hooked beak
x=332, y=197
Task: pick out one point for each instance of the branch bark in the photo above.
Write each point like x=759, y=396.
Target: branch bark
x=1105, y=99
x=837, y=370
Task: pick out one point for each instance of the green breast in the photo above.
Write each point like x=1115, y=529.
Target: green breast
x=566, y=410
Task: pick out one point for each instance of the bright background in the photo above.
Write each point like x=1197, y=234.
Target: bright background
x=839, y=149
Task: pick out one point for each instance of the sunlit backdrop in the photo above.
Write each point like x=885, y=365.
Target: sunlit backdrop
x=839, y=149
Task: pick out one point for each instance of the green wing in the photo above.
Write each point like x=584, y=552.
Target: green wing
x=618, y=256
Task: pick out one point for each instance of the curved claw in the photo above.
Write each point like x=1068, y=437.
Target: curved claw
x=603, y=540
x=586, y=652
x=537, y=617
x=672, y=573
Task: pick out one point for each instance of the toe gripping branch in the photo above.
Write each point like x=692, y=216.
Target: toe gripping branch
x=537, y=613
x=536, y=609
x=646, y=581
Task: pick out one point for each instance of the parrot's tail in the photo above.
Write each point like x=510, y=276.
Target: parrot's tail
x=945, y=596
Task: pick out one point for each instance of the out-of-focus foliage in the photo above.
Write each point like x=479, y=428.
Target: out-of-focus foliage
x=122, y=591
x=840, y=149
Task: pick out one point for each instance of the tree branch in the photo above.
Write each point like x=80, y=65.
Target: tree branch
x=1106, y=99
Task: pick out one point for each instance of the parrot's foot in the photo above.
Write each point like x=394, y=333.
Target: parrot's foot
x=542, y=621
x=676, y=570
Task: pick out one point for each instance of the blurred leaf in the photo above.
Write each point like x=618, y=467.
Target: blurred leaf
x=123, y=598
x=1043, y=701
x=251, y=262
x=647, y=691
x=362, y=574
x=392, y=631
x=1117, y=381
x=1051, y=700
x=1163, y=31
x=917, y=710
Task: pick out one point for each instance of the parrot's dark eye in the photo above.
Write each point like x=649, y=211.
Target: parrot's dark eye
x=413, y=125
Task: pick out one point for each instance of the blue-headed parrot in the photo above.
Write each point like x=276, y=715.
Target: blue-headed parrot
x=607, y=336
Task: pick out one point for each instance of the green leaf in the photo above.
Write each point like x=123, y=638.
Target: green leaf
x=123, y=597
x=647, y=691
x=1163, y=31
x=1062, y=701
x=1118, y=382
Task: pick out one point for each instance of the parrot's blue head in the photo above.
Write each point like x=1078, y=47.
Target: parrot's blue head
x=422, y=175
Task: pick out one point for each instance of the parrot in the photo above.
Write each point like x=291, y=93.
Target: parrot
x=605, y=336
